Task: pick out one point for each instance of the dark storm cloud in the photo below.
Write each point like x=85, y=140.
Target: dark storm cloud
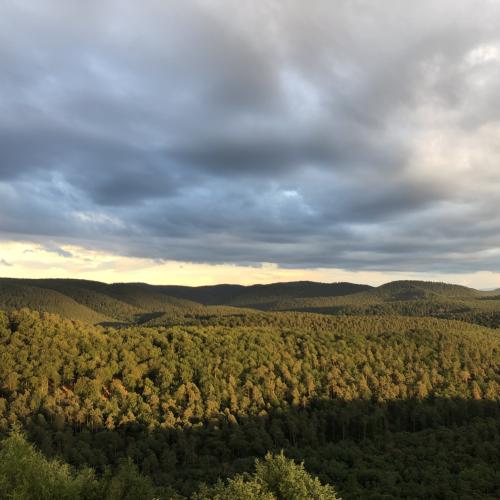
x=349, y=134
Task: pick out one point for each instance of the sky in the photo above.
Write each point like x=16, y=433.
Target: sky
x=200, y=142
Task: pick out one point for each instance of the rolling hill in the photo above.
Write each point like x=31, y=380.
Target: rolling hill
x=90, y=301
x=261, y=296
x=127, y=303
x=17, y=296
x=94, y=301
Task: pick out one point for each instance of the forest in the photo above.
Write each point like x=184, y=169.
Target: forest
x=122, y=304
x=215, y=398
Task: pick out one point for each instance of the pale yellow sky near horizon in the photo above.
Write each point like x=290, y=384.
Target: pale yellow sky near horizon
x=31, y=260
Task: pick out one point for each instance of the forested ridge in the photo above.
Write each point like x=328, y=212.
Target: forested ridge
x=139, y=303
x=377, y=406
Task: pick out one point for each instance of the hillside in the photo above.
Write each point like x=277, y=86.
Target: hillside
x=139, y=303
x=17, y=296
x=409, y=298
x=133, y=302
x=404, y=291
x=102, y=302
x=261, y=296
x=380, y=407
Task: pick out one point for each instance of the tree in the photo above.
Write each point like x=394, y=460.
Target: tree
x=238, y=488
x=129, y=484
x=276, y=478
x=26, y=474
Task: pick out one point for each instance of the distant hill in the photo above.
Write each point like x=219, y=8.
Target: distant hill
x=89, y=301
x=97, y=302
x=17, y=296
x=395, y=291
x=411, y=290
x=261, y=296
x=409, y=298
x=403, y=291
x=94, y=301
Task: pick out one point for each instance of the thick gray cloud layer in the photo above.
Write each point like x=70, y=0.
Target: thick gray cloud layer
x=351, y=134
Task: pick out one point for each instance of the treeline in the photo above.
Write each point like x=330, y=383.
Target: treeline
x=371, y=404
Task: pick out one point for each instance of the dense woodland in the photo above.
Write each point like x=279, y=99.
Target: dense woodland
x=375, y=406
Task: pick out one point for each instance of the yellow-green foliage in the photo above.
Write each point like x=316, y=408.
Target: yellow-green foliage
x=275, y=478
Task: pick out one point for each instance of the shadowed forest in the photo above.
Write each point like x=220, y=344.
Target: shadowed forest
x=385, y=394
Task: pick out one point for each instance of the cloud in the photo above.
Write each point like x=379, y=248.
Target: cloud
x=93, y=265
x=361, y=136
x=50, y=248
x=3, y=262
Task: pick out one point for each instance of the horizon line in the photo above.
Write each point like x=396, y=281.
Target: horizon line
x=252, y=284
